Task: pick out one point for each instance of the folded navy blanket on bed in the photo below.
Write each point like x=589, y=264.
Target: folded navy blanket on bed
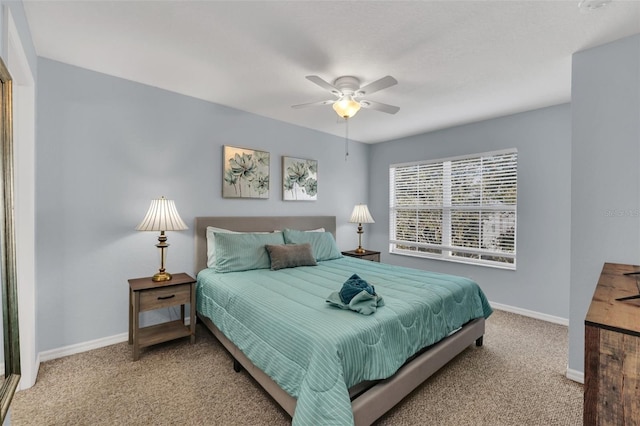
x=353, y=286
x=356, y=294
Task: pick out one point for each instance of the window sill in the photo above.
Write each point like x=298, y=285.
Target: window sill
x=456, y=260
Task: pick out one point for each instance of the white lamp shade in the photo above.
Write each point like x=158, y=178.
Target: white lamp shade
x=162, y=216
x=361, y=214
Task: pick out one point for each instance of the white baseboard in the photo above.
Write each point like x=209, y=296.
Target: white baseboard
x=118, y=338
x=86, y=346
x=123, y=337
x=23, y=385
x=83, y=347
x=575, y=375
x=531, y=314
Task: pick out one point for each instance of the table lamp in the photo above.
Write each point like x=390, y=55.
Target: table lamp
x=162, y=216
x=360, y=215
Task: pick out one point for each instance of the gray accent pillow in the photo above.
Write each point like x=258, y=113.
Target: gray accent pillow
x=290, y=255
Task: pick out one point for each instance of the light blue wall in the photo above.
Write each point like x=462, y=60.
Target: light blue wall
x=605, y=199
x=543, y=140
x=107, y=146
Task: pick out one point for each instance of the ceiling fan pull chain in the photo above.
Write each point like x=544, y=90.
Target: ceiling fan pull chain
x=346, y=139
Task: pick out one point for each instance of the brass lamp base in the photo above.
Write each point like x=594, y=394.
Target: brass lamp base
x=360, y=232
x=161, y=276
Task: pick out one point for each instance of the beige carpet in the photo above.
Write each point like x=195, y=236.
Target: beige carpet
x=516, y=378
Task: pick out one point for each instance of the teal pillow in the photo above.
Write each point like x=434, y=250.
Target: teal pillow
x=242, y=252
x=322, y=243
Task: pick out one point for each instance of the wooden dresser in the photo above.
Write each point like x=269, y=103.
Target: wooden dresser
x=612, y=350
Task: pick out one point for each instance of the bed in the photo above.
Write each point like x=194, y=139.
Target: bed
x=321, y=364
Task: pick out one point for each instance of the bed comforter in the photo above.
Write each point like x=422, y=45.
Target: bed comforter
x=315, y=352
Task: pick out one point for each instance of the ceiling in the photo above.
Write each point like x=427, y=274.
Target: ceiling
x=455, y=61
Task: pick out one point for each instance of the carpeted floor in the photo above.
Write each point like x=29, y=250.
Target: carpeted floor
x=516, y=378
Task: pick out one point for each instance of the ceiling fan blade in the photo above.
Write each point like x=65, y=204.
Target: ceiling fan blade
x=383, y=83
x=327, y=86
x=379, y=106
x=327, y=102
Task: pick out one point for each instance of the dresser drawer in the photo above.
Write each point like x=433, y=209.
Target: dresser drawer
x=165, y=296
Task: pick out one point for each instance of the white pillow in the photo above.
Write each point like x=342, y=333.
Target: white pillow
x=310, y=230
x=211, y=242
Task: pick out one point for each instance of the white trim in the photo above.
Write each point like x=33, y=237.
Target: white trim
x=575, y=375
x=87, y=346
x=83, y=347
x=122, y=337
x=531, y=314
x=429, y=188
x=24, y=204
x=455, y=259
x=457, y=157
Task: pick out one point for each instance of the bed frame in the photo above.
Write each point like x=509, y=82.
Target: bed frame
x=369, y=400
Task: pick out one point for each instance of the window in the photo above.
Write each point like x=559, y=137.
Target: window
x=461, y=209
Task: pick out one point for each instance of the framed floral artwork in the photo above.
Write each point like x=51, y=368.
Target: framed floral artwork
x=299, y=179
x=245, y=173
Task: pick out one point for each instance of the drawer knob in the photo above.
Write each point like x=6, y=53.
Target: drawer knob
x=166, y=297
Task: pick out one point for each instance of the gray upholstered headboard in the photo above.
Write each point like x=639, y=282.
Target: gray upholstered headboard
x=257, y=224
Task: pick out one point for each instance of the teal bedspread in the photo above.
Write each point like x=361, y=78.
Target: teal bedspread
x=315, y=352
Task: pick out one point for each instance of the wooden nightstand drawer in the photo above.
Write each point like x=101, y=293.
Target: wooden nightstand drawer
x=372, y=257
x=164, y=297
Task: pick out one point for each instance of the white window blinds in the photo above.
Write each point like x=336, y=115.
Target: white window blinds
x=461, y=209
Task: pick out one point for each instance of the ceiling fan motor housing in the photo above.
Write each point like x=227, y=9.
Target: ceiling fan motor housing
x=347, y=84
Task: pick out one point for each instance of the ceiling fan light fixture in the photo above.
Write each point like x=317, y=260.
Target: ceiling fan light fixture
x=346, y=106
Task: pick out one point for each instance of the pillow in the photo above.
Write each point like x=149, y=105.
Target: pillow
x=322, y=243
x=310, y=230
x=244, y=251
x=315, y=230
x=290, y=256
x=211, y=242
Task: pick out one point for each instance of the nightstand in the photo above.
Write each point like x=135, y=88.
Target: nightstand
x=146, y=295
x=367, y=255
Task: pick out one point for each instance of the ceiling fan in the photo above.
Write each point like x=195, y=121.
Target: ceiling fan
x=349, y=95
